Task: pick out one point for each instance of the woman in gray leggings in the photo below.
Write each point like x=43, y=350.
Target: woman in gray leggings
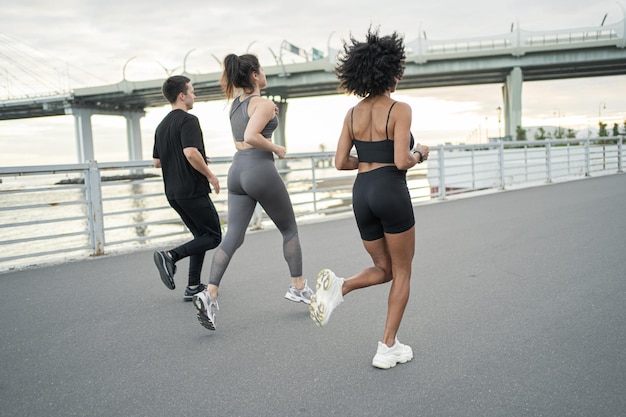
x=252, y=178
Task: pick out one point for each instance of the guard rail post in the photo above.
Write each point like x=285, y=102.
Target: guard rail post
x=587, y=159
x=442, y=172
x=473, y=171
x=620, y=145
x=548, y=162
x=501, y=162
x=314, y=161
x=94, y=208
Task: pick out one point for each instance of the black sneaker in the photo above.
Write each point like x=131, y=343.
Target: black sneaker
x=166, y=268
x=189, y=293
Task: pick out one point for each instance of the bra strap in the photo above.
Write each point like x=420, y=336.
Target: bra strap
x=387, y=125
x=240, y=103
x=352, y=121
x=234, y=108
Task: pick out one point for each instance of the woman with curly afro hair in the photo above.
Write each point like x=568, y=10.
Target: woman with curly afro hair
x=379, y=128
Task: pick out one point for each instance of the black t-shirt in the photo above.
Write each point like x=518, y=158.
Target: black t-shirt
x=179, y=130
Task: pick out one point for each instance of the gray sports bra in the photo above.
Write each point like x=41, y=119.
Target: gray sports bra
x=239, y=120
x=376, y=151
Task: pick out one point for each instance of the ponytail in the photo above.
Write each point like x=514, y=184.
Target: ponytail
x=238, y=73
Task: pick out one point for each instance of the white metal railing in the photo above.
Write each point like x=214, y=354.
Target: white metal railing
x=456, y=169
x=518, y=42
x=71, y=211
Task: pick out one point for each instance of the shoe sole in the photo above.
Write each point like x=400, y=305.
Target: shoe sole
x=159, y=261
x=316, y=310
x=205, y=321
x=386, y=364
x=323, y=280
x=203, y=317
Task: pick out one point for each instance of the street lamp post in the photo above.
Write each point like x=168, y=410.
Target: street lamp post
x=487, y=129
x=124, y=68
x=185, y=60
x=558, y=115
x=601, y=106
x=499, y=109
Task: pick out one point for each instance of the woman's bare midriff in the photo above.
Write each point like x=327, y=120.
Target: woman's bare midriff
x=242, y=146
x=369, y=166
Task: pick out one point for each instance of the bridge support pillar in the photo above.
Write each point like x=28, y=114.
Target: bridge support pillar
x=133, y=134
x=512, y=98
x=279, y=133
x=84, y=130
x=84, y=135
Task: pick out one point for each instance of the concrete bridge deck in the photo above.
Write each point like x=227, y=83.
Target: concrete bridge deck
x=518, y=308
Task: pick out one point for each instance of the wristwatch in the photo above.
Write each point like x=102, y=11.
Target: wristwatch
x=421, y=155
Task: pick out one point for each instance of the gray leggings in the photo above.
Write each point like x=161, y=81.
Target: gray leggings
x=253, y=178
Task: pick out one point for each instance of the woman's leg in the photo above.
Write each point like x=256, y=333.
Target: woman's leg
x=331, y=289
x=401, y=249
x=392, y=256
x=240, y=209
x=270, y=191
x=380, y=273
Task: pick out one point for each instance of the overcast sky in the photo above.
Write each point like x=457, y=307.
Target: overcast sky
x=89, y=42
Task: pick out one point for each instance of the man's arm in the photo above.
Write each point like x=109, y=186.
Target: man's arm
x=196, y=160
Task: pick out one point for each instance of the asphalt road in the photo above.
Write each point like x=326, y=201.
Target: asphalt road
x=518, y=308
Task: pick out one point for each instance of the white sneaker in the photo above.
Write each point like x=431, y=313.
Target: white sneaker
x=387, y=357
x=299, y=296
x=327, y=297
x=207, y=309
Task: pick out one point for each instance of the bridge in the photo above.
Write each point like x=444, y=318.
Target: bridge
x=509, y=59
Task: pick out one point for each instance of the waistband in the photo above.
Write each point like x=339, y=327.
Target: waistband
x=253, y=154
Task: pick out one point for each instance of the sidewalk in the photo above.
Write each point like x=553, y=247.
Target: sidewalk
x=517, y=309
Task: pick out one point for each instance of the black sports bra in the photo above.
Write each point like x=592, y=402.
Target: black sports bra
x=376, y=151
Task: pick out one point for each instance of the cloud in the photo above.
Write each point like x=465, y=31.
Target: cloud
x=99, y=37
x=91, y=42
